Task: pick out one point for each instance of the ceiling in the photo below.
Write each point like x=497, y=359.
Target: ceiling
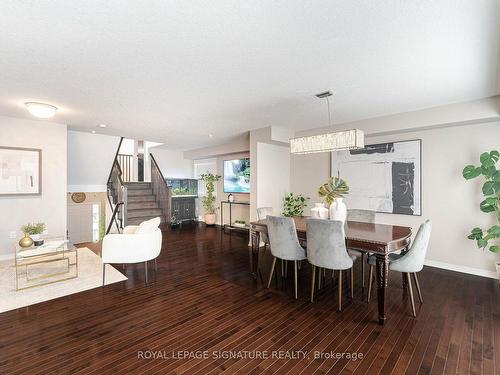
x=177, y=71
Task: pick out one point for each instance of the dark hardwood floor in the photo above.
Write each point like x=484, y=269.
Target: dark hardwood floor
x=203, y=303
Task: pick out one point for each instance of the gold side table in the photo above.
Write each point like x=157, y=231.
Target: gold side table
x=52, y=251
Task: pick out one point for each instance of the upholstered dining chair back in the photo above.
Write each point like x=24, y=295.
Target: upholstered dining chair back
x=413, y=260
x=363, y=216
x=263, y=212
x=283, y=238
x=326, y=244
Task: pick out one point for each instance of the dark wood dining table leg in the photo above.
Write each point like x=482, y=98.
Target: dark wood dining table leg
x=382, y=269
x=254, y=253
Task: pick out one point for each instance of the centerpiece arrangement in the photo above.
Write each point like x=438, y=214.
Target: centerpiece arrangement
x=333, y=191
x=32, y=232
x=293, y=205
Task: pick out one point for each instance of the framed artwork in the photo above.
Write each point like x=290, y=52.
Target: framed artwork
x=20, y=171
x=383, y=177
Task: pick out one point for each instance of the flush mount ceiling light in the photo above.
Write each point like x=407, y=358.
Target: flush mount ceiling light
x=102, y=126
x=335, y=141
x=41, y=110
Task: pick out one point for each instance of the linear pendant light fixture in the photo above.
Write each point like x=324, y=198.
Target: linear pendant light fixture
x=335, y=141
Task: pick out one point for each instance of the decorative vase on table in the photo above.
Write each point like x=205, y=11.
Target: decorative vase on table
x=26, y=241
x=338, y=210
x=319, y=211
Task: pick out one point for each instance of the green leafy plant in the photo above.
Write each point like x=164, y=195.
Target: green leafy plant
x=240, y=221
x=335, y=187
x=209, y=199
x=33, y=228
x=181, y=191
x=293, y=205
x=491, y=202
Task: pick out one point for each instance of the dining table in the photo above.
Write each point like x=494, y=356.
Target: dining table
x=378, y=239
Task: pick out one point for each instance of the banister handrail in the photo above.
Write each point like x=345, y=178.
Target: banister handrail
x=157, y=167
x=113, y=218
x=115, y=160
x=161, y=189
x=115, y=169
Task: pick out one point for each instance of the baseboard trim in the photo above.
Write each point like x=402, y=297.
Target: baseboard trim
x=462, y=269
x=6, y=257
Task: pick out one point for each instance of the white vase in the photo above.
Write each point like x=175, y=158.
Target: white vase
x=319, y=211
x=338, y=210
x=497, y=264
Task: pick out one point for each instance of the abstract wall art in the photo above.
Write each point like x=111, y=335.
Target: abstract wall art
x=383, y=177
x=20, y=171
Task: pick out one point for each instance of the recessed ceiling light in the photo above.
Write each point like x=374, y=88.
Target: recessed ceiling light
x=41, y=110
x=210, y=135
x=93, y=131
x=102, y=125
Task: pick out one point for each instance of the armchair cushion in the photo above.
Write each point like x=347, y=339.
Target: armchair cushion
x=131, y=248
x=130, y=229
x=148, y=226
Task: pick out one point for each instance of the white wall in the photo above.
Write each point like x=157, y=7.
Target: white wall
x=50, y=206
x=451, y=202
x=172, y=163
x=236, y=145
x=90, y=158
x=273, y=175
x=271, y=135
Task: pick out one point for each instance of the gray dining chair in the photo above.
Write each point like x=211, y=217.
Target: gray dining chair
x=262, y=213
x=326, y=249
x=284, y=244
x=409, y=263
x=363, y=216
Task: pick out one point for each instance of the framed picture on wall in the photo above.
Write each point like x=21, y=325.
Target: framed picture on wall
x=383, y=177
x=20, y=171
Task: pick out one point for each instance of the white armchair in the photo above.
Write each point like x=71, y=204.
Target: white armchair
x=137, y=243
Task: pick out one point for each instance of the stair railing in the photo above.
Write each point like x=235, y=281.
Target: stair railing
x=161, y=190
x=117, y=195
x=114, y=218
x=126, y=162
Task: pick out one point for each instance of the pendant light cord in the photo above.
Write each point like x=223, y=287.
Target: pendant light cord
x=329, y=116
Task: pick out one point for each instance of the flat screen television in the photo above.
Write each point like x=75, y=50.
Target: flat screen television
x=237, y=176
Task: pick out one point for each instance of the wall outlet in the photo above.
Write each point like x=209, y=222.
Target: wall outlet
x=13, y=235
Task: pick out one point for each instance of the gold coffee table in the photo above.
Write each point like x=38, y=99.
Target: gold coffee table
x=45, y=258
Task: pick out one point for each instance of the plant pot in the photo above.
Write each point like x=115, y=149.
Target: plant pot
x=338, y=210
x=37, y=239
x=210, y=219
x=319, y=211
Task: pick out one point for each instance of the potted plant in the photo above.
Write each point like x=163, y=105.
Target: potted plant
x=293, y=205
x=33, y=231
x=491, y=203
x=240, y=223
x=208, y=200
x=333, y=191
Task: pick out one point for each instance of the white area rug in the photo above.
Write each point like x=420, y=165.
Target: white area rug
x=89, y=277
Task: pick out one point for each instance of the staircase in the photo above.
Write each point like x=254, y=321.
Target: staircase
x=141, y=203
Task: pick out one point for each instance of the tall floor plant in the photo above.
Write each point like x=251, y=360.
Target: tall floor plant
x=491, y=203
